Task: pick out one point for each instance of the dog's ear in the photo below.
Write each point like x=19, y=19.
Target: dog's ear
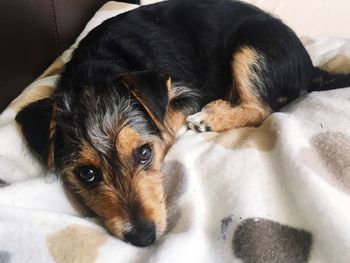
x=38, y=128
x=151, y=89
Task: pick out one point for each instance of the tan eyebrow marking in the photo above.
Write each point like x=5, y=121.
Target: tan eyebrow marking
x=127, y=140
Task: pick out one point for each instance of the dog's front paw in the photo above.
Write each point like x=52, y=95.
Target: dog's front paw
x=197, y=122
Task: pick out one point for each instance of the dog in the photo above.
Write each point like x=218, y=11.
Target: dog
x=133, y=81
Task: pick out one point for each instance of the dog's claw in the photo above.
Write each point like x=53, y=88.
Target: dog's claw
x=196, y=122
x=208, y=129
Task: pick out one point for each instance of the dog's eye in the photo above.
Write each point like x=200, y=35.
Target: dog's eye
x=144, y=154
x=88, y=174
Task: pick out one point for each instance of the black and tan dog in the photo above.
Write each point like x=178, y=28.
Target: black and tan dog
x=136, y=78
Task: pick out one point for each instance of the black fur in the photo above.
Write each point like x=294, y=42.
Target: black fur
x=136, y=2
x=190, y=40
x=35, y=120
x=326, y=81
x=151, y=88
x=117, y=77
x=193, y=42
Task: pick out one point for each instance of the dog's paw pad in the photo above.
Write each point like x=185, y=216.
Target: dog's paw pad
x=196, y=122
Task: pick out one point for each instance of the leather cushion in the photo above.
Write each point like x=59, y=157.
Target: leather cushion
x=33, y=34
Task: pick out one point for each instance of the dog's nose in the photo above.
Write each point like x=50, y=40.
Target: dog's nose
x=141, y=235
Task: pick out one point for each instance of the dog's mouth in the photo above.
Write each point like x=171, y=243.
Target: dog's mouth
x=139, y=223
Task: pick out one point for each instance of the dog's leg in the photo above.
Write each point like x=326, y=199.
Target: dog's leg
x=221, y=116
x=249, y=109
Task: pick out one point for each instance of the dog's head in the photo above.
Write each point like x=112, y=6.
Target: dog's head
x=107, y=144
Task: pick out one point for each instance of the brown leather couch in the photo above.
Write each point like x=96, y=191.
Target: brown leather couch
x=33, y=33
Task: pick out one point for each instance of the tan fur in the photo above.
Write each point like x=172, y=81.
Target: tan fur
x=174, y=119
x=52, y=136
x=55, y=68
x=51, y=153
x=103, y=200
x=89, y=156
x=107, y=202
x=172, y=122
x=30, y=95
x=242, y=62
x=146, y=185
x=149, y=112
x=168, y=85
x=222, y=116
x=251, y=111
x=127, y=79
x=150, y=192
x=136, y=187
x=127, y=140
x=129, y=191
x=111, y=6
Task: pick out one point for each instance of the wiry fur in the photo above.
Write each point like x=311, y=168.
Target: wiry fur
x=115, y=96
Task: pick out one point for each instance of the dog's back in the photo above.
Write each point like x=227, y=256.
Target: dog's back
x=190, y=40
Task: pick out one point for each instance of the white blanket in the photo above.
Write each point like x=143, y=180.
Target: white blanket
x=278, y=193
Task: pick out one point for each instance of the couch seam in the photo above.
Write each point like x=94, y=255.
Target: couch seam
x=55, y=24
